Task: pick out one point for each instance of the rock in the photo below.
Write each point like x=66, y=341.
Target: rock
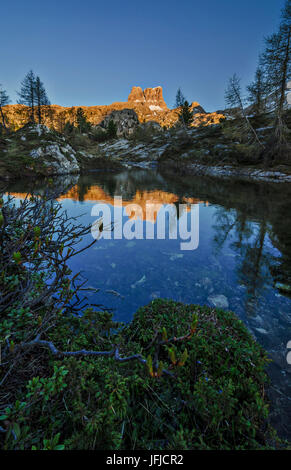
x=153, y=97
x=151, y=126
x=176, y=256
x=149, y=105
x=136, y=95
x=155, y=295
x=130, y=244
x=283, y=287
x=262, y=331
x=139, y=282
x=219, y=301
x=57, y=160
x=126, y=122
x=206, y=283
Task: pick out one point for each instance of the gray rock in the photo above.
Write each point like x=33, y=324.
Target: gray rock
x=126, y=121
x=283, y=287
x=58, y=160
x=262, y=331
x=219, y=301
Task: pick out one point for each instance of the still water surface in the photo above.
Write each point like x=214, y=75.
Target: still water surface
x=244, y=249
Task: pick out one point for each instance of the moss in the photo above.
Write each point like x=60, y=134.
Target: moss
x=215, y=401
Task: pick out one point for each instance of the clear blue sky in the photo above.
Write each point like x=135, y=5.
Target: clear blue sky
x=92, y=52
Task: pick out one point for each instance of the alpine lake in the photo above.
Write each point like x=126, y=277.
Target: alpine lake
x=239, y=258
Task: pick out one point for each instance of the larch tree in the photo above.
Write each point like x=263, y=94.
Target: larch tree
x=186, y=114
x=83, y=125
x=180, y=98
x=27, y=95
x=276, y=61
x=257, y=91
x=4, y=100
x=42, y=101
x=234, y=99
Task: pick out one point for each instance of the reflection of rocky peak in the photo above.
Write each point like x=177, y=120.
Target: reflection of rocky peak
x=153, y=97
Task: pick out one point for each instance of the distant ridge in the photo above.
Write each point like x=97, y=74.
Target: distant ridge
x=149, y=105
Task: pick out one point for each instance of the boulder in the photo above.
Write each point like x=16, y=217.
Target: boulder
x=56, y=159
x=152, y=126
x=219, y=301
x=126, y=121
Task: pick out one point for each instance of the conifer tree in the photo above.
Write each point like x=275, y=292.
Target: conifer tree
x=257, y=93
x=180, y=98
x=112, y=129
x=276, y=61
x=234, y=99
x=186, y=114
x=27, y=95
x=32, y=94
x=82, y=124
x=42, y=101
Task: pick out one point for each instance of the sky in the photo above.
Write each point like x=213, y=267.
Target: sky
x=92, y=52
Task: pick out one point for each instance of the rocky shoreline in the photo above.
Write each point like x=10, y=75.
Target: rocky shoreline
x=38, y=151
x=246, y=173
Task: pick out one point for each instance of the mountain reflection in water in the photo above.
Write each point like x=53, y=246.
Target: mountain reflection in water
x=244, y=249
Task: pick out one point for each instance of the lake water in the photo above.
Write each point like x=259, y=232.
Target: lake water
x=244, y=249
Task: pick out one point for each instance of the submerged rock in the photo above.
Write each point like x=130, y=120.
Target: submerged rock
x=139, y=282
x=283, y=287
x=219, y=301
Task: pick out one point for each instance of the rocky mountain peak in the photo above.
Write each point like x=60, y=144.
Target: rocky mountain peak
x=153, y=97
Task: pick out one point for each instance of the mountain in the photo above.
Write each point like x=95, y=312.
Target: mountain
x=149, y=105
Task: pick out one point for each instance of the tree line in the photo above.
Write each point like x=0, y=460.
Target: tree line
x=266, y=95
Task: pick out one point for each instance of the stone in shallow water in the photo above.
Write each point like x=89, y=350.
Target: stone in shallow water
x=219, y=301
x=262, y=331
x=283, y=287
x=139, y=282
x=130, y=244
x=176, y=256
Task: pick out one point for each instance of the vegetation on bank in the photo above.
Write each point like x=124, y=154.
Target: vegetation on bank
x=177, y=377
x=35, y=150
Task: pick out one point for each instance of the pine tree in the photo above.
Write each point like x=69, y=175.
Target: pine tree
x=27, y=95
x=111, y=129
x=234, y=99
x=257, y=93
x=186, y=115
x=82, y=124
x=42, y=101
x=276, y=61
x=4, y=100
x=180, y=98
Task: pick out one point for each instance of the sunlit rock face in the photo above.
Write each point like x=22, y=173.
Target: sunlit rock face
x=148, y=104
x=153, y=97
x=136, y=95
